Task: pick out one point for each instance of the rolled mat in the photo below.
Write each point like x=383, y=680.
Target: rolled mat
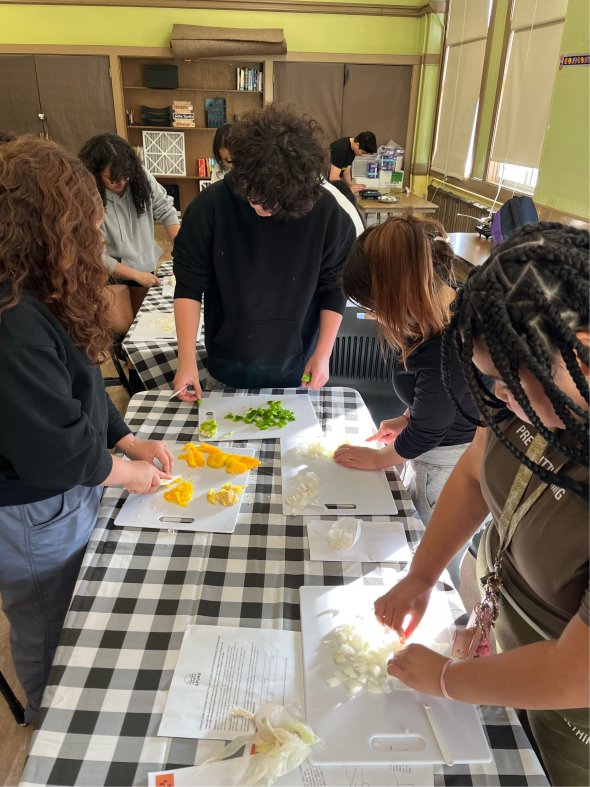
x=191, y=42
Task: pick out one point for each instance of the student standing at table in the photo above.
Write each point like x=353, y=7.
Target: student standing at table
x=266, y=247
x=133, y=201
x=221, y=153
x=402, y=275
x=344, y=151
x=56, y=421
x=523, y=320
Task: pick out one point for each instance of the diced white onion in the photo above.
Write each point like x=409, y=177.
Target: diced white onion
x=361, y=665
x=344, y=533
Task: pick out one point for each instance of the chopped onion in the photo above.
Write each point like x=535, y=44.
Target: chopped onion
x=307, y=487
x=362, y=665
x=344, y=533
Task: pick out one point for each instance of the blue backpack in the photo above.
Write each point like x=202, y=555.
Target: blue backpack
x=513, y=214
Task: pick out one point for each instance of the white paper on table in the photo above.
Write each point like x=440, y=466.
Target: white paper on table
x=379, y=542
x=220, y=668
x=154, y=325
x=230, y=772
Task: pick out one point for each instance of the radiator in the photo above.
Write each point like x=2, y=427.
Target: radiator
x=450, y=205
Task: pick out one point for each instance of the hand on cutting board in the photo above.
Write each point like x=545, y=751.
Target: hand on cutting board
x=142, y=477
x=151, y=450
x=419, y=668
x=361, y=458
x=187, y=375
x=409, y=597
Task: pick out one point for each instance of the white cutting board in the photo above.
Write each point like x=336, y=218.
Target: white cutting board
x=343, y=490
x=153, y=512
x=379, y=542
x=369, y=729
x=154, y=325
x=305, y=424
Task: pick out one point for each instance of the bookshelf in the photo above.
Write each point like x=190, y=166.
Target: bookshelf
x=197, y=81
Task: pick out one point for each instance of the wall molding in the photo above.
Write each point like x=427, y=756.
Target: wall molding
x=284, y=6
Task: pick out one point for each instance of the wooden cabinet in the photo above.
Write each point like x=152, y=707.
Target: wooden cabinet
x=197, y=81
x=67, y=98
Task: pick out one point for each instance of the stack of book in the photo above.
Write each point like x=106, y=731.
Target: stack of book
x=183, y=114
x=248, y=79
x=205, y=167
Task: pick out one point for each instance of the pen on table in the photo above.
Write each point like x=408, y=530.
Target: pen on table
x=437, y=732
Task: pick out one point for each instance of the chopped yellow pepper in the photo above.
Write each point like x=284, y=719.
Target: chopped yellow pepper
x=227, y=495
x=181, y=493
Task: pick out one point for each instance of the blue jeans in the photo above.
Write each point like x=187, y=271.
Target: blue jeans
x=41, y=549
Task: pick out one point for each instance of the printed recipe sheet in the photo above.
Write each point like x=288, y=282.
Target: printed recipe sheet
x=220, y=668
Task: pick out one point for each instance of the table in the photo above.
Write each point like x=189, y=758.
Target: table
x=139, y=589
x=156, y=360
x=470, y=246
x=404, y=202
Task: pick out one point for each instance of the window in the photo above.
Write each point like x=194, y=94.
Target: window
x=513, y=176
x=525, y=99
x=460, y=87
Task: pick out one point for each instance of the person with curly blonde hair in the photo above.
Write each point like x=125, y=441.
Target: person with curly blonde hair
x=57, y=423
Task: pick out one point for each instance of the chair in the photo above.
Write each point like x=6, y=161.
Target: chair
x=15, y=706
x=358, y=362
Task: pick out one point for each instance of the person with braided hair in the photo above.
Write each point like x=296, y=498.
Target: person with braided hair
x=523, y=320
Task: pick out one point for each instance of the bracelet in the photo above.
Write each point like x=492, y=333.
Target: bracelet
x=443, y=687
x=407, y=417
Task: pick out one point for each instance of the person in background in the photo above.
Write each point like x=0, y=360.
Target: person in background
x=403, y=276
x=221, y=153
x=347, y=201
x=266, y=246
x=522, y=320
x=343, y=152
x=133, y=202
x=57, y=423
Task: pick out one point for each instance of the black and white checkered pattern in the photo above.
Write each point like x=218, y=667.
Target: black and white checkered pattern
x=139, y=589
x=156, y=360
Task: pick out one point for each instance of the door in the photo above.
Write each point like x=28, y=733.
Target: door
x=74, y=92
x=377, y=98
x=314, y=89
x=19, y=96
x=76, y=97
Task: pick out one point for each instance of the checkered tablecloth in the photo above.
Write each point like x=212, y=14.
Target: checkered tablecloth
x=139, y=589
x=156, y=360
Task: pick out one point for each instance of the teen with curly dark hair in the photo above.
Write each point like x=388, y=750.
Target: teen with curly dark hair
x=56, y=420
x=266, y=246
x=523, y=320
x=133, y=201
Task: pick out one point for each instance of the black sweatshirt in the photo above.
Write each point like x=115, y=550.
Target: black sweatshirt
x=265, y=281
x=434, y=419
x=56, y=419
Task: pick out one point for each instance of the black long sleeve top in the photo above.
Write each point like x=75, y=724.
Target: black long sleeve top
x=56, y=419
x=434, y=419
x=265, y=281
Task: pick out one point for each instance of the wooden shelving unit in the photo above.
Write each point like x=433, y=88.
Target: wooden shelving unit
x=197, y=80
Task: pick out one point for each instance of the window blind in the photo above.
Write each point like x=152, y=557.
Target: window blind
x=460, y=87
x=531, y=64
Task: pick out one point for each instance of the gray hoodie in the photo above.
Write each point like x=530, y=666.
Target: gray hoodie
x=129, y=238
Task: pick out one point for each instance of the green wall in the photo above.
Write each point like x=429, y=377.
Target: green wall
x=564, y=172
x=152, y=27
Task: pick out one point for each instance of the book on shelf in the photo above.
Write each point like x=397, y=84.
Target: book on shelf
x=248, y=79
x=205, y=167
x=215, y=112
